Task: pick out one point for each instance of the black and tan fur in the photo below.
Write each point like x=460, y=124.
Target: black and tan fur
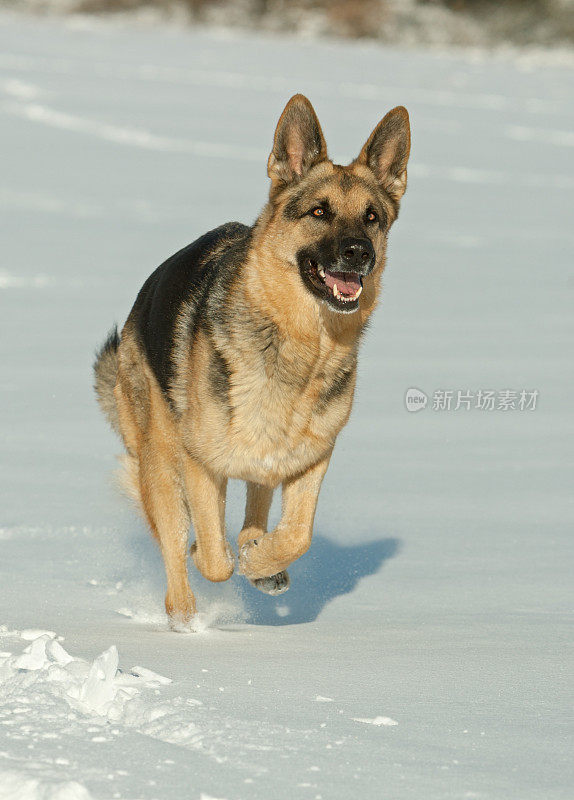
x=239, y=361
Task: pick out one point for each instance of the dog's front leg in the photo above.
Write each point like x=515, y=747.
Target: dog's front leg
x=263, y=558
x=257, y=508
x=206, y=499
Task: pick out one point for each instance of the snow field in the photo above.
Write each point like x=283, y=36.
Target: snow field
x=437, y=593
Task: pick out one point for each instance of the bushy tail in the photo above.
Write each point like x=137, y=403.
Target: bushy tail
x=106, y=372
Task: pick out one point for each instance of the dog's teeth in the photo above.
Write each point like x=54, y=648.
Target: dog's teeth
x=322, y=273
x=345, y=298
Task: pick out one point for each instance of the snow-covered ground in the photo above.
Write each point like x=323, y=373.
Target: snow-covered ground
x=423, y=648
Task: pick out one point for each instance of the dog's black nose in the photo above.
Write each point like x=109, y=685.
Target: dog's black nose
x=358, y=255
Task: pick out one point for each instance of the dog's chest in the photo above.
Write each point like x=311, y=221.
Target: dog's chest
x=286, y=410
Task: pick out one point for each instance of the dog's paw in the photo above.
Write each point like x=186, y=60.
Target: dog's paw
x=274, y=584
x=180, y=613
x=181, y=624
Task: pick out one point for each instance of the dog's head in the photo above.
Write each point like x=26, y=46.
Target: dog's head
x=331, y=222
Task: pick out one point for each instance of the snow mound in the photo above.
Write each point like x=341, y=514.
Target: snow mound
x=44, y=682
x=99, y=688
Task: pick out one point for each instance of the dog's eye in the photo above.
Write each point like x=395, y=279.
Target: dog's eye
x=318, y=211
x=371, y=215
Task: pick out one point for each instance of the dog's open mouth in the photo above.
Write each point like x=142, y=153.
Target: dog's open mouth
x=342, y=289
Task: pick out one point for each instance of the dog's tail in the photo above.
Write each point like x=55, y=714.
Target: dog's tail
x=105, y=376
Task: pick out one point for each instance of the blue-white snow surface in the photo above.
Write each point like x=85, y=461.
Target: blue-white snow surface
x=422, y=652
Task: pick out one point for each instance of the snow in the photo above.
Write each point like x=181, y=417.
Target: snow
x=437, y=593
x=97, y=688
x=377, y=721
x=15, y=786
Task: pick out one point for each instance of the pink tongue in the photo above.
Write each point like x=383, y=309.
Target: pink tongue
x=348, y=283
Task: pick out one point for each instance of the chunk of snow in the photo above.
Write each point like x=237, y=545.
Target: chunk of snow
x=376, y=721
x=99, y=688
x=34, y=633
x=5, y=631
x=204, y=796
x=15, y=786
x=150, y=676
x=34, y=657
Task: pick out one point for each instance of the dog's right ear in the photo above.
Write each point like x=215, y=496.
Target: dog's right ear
x=298, y=145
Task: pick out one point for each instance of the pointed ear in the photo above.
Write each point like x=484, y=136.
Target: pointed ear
x=298, y=145
x=387, y=151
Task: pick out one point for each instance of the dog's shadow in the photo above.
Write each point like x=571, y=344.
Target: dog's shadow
x=327, y=571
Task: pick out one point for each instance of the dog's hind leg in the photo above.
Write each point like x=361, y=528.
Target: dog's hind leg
x=268, y=555
x=255, y=525
x=165, y=508
x=152, y=474
x=206, y=499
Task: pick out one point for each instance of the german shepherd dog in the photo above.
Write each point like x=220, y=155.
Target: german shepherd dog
x=239, y=357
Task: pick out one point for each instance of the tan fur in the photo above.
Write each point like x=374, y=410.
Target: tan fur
x=280, y=424
x=104, y=381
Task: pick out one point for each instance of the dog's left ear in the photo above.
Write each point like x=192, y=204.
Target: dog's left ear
x=387, y=151
x=298, y=144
